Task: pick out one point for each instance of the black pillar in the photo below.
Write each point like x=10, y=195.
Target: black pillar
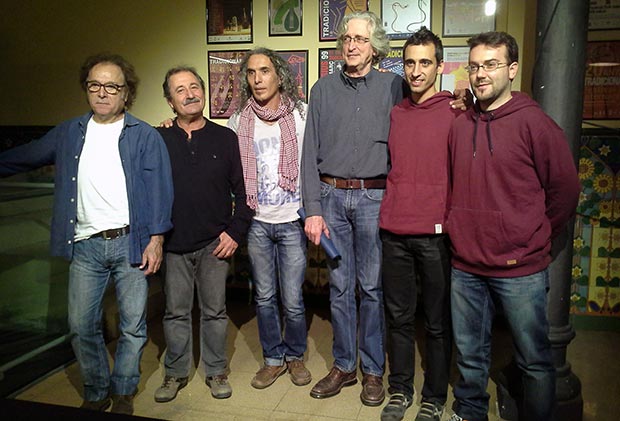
x=558, y=81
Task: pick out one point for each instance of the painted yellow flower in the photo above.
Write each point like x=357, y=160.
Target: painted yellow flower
x=578, y=243
x=603, y=183
x=582, y=197
x=577, y=271
x=586, y=168
x=605, y=207
x=603, y=236
x=575, y=297
x=604, y=150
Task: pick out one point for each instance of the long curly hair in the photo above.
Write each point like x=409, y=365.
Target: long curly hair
x=288, y=87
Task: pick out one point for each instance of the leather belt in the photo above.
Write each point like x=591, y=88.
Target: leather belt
x=113, y=233
x=354, y=183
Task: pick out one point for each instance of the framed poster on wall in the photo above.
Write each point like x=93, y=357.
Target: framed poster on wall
x=331, y=13
x=465, y=18
x=330, y=61
x=454, y=74
x=229, y=21
x=298, y=62
x=604, y=15
x=393, y=62
x=601, y=91
x=223, y=68
x=285, y=17
x=401, y=18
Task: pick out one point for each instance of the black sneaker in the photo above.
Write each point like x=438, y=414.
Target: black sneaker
x=396, y=407
x=429, y=411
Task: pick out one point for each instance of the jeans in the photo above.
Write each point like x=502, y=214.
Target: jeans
x=208, y=273
x=95, y=262
x=523, y=301
x=278, y=257
x=428, y=258
x=352, y=217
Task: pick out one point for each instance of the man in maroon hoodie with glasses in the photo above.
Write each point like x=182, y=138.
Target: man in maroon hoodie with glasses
x=514, y=188
x=413, y=236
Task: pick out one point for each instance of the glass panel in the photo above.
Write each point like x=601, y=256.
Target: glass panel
x=33, y=285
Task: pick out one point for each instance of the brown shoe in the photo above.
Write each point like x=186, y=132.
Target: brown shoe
x=331, y=384
x=99, y=406
x=300, y=375
x=267, y=375
x=373, y=393
x=122, y=404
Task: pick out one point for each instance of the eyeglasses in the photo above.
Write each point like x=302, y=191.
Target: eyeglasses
x=488, y=66
x=110, y=88
x=359, y=40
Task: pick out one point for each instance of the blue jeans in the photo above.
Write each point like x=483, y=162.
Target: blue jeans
x=207, y=273
x=405, y=258
x=278, y=257
x=523, y=301
x=352, y=217
x=95, y=262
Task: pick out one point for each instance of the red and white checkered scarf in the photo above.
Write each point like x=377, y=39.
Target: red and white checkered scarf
x=288, y=166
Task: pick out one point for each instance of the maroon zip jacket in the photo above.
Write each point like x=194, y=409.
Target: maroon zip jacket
x=514, y=188
x=416, y=194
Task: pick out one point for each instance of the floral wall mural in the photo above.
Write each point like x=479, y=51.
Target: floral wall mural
x=595, y=289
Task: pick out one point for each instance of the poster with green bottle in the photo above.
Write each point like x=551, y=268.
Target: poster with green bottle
x=285, y=17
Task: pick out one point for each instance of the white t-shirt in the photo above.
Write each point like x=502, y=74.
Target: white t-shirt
x=275, y=205
x=102, y=191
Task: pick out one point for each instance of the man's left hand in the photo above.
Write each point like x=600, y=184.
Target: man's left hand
x=226, y=248
x=152, y=256
x=464, y=99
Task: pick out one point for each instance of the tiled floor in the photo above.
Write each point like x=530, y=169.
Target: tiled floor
x=593, y=355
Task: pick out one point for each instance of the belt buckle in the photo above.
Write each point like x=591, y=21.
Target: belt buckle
x=112, y=234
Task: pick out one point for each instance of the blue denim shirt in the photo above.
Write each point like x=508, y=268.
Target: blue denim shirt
x=147, y=172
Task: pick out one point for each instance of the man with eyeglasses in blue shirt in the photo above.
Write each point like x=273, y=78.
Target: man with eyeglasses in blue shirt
x=112, y=205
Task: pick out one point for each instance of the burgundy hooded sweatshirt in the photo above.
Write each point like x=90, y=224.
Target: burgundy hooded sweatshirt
x=416, y=194
x=514, y=188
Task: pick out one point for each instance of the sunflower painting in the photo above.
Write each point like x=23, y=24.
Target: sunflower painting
x=595, y=285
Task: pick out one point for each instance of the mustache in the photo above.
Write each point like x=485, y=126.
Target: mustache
x=191, y=100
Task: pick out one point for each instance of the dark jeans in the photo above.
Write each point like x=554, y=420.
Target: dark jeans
x=404, y=258
x=524, y=303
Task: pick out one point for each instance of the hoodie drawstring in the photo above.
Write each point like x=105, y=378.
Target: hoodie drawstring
x=475, y=131
x=489, y=142
x=489, y=133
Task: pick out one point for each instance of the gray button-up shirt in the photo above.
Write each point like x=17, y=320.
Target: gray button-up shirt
x=347, y=130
